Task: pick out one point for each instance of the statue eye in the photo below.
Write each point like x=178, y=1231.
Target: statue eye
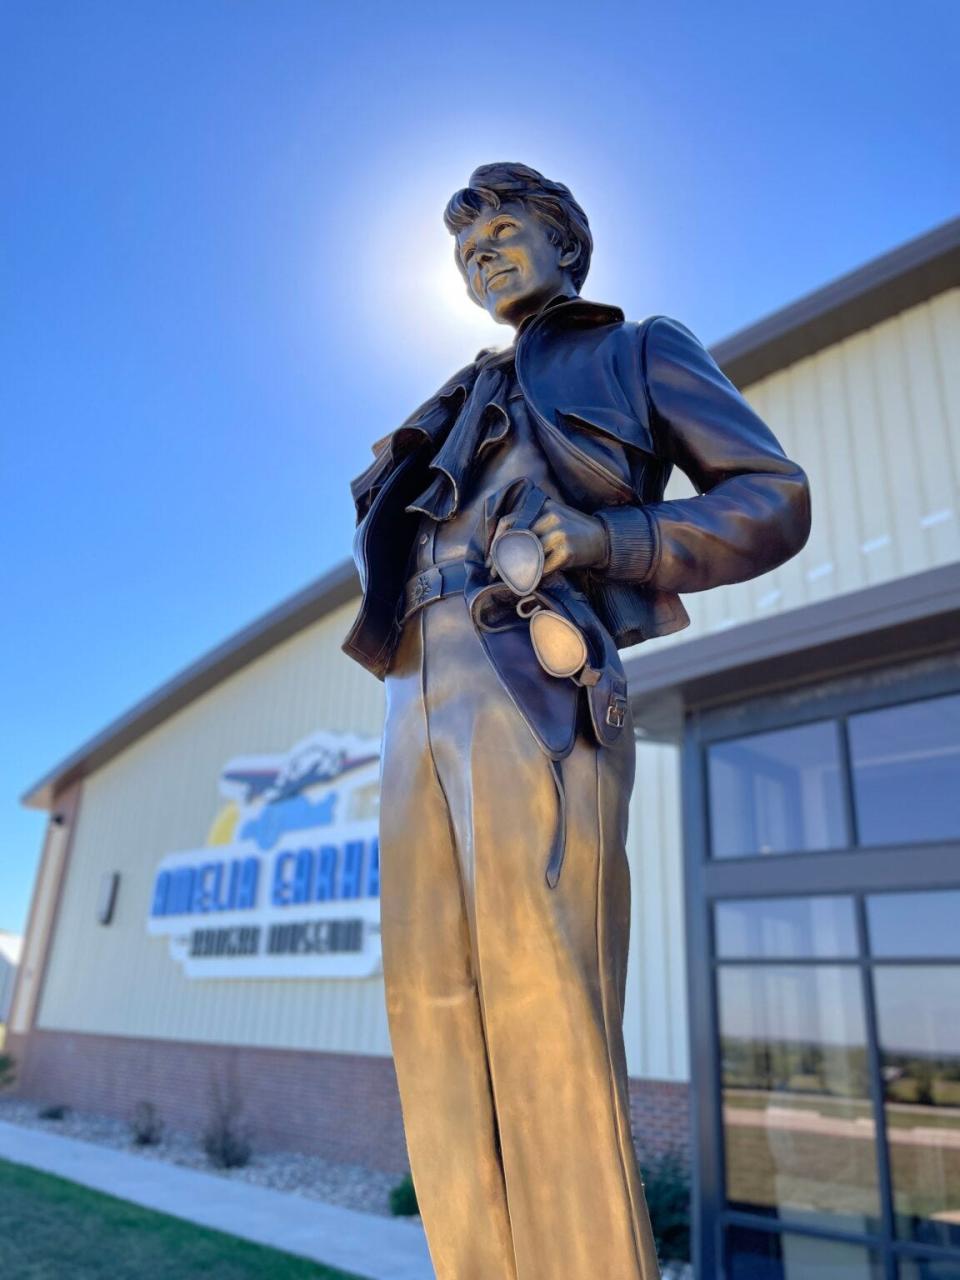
x=500, y=227
x=468, y=255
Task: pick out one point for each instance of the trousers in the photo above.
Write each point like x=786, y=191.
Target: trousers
x=505, y=996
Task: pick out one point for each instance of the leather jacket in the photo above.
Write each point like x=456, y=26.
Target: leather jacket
x=615, y=405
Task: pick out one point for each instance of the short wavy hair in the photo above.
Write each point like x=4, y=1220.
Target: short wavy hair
x=550, y=202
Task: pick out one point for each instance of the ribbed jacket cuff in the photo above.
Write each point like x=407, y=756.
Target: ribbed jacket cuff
x=631, y=540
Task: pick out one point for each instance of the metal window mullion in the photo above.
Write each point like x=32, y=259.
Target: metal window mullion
x=884, y=1173
x=884, y=962
x=705, y=1103
x=849, y=795
x=923, y=1252
x=787, y=962
x=797, y=1227
x=765, y=713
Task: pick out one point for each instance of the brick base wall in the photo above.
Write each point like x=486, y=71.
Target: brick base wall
x=342, y=1106
x=660, y=1118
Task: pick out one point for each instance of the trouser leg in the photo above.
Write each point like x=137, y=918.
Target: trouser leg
x=433, y=1006
x=549, y=964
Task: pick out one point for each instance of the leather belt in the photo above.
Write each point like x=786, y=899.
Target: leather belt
x=436, y=581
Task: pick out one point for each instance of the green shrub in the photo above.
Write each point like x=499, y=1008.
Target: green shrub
x=403, y=1198
x=225, y=1140
x=226, y=1148
x=146, y=1127
x=57, y=1111
x=8, y=1070
x=667, y=1187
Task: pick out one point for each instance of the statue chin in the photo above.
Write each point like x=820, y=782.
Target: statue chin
x=515, y=309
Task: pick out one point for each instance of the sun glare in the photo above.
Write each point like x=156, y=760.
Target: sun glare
x=449, y=297
x=423, y=288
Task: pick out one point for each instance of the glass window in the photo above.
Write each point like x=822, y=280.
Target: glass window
x=786, y=928
x=906, y=771
x=915, y=924
x=777, y=792
x=918, y=1016
x=798, y=1124
x=928, y=1269
x=768, y=1255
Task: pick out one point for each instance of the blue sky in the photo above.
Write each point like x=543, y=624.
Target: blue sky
x=223, y=270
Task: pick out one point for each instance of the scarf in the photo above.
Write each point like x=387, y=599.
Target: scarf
x=482, y=423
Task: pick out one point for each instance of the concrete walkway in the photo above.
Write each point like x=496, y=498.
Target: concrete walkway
x=370, y=1246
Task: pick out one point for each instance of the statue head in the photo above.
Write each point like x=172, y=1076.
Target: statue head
x=520, y=240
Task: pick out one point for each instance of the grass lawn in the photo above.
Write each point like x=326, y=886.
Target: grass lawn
x=51, y=1228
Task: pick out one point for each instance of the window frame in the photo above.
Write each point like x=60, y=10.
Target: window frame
x=858, y=871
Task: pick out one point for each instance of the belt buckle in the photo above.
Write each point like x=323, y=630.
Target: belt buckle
x=616, y=711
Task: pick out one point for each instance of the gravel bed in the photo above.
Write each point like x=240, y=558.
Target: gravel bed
x=348, y=1185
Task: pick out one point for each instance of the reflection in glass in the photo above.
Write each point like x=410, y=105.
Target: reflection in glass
x=906, y=771
x=929, y=1269
x=918, y=1015
x=915, y=924
x=798, y=1124
x=777, y=792
x=767, y=1255
x=786, y=928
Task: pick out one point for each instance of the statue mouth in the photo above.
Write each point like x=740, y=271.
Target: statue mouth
x=502, y=271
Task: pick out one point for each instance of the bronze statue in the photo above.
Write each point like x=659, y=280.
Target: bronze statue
x=512, y=535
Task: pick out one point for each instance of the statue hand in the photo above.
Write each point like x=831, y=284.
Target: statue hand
x=570, y=538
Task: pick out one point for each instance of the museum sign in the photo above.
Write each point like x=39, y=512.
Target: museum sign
x=288, y=882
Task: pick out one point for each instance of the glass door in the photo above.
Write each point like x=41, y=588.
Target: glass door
x=915, y=942
x=823, y=862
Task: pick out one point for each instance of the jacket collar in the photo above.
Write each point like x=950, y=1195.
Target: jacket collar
x=434, y=418
x=570, y=313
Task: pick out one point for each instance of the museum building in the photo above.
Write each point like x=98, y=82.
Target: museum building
x=206, y=906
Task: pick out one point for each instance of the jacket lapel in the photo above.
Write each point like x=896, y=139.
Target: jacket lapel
x=579, y=370
x=430, y=423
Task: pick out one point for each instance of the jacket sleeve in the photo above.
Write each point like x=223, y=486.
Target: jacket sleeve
x=752, y=511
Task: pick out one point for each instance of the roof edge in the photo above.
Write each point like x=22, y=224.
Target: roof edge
x=874, y=623
x=292, y=615
x=902, y=278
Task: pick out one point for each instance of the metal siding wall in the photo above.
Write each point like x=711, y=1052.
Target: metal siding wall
x=161, y=795
x=875, y=422
x=654, y=1024
x=8, y=976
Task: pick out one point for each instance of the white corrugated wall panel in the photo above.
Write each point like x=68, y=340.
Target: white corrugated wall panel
x=655, y=1027
x=875, y=422
x=8, y=976
x=161, y=795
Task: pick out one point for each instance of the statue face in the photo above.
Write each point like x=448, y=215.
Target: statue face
x=512, y=265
